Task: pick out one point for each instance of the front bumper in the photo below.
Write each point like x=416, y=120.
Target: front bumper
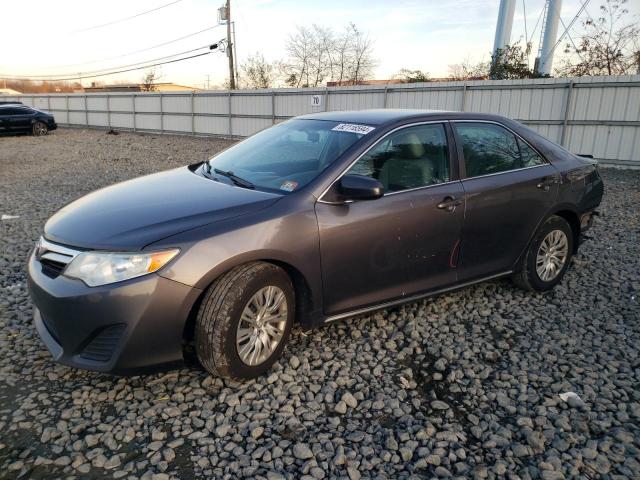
x=122, y=328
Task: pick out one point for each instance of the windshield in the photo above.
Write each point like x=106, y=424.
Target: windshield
x=288, y=156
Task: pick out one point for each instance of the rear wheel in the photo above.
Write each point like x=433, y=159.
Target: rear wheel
x=245, y=320
x=39, y=129
x=548, y=256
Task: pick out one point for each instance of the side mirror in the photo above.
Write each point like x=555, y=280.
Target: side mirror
x=359, y=187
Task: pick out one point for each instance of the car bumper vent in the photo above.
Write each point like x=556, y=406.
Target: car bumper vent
x=102, y=346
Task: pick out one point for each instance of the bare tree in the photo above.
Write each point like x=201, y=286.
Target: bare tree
x=257, y=72
x=149, y=80
x=608, y=46
x=300, y=48
x=342, y=54
x=317, y=54
x=362, y=62
x=322, y=58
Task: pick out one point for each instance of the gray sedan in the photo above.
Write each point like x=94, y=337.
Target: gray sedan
x=316, y=219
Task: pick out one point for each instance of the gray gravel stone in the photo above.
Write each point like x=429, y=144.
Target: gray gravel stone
x=462, y=385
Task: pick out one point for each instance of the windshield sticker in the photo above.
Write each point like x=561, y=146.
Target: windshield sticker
x=289, y=186
x=353, y=128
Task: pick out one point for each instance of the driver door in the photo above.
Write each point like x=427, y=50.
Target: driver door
x=403, y=243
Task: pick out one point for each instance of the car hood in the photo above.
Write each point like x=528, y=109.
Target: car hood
x=135, y=213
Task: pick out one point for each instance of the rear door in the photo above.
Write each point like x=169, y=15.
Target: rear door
x=404, y=242
x=509, y=187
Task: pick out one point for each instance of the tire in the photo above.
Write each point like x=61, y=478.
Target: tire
x=39, y=129
x=529, y=277
x=219, y=324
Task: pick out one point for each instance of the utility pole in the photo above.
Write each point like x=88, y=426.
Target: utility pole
x=549, y=35
x=230, y=46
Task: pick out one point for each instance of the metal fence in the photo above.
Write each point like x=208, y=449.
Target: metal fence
x=588, y=115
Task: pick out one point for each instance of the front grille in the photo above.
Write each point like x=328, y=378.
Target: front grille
x=54, y=258
x=102, y=345
x=52, y=268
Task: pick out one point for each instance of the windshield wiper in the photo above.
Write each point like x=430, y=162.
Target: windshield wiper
x=241, y=182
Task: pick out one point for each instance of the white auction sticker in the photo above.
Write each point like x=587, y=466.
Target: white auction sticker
x=353, y=128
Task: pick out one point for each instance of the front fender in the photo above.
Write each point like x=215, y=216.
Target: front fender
x=290, y=239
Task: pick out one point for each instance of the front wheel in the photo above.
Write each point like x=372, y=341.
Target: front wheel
x=245, y=320
x=548, y=256
x=39, y=129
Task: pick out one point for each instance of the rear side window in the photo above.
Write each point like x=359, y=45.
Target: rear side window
x=487, y=148
x=530, y=158
x=412, y=157
x=490, y=148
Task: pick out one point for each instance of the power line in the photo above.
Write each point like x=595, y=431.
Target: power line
x=533, y=32
x=127, y=18
x=143, y=49
x=85, y=74
x=82, y=77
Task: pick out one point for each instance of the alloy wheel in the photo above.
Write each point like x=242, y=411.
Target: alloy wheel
x=262, y=325
x=40, y=129
x=552, y=255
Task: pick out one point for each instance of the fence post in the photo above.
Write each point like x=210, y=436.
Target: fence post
x=326, y=99
x=386, y=95
x=230, y=120
x=273, y=107
x=86, y=110
x=464, y=97
x=161, y=115
x=49, y=103
x=109, y=110
x=565, y=113
x=68, y=113
x=133, y=104
x=193, y=113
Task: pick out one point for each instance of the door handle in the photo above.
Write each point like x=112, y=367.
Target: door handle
x=545, y=184
x=449, y=204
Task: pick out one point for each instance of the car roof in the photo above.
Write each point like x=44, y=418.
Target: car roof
x=9, y=104
x=383, y=116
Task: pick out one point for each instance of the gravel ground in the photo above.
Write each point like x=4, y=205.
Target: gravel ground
x=467, y=384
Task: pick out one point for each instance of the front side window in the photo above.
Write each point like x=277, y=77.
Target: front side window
x=287, y=156
x=490, y=148
x=409, y=158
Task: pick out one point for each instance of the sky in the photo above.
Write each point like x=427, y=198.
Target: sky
x=66, y=37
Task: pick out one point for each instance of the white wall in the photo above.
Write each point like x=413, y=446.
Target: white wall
x=589, y=115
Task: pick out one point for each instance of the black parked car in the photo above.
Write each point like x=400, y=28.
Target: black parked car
x=316, y=219
x=18, y=118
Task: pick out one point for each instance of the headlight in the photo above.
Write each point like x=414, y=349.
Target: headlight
x=101, y=268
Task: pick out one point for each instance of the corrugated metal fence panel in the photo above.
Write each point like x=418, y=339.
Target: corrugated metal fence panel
x=602, y=118
x=57, y=103
x=176, y=103
x=148, y=102
x=176, y=123
x=290, y=104
x=251, y=104
x=355, y=101
x=121, y=103
x=216, y=104
x=245, y=126
x=211, y=125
